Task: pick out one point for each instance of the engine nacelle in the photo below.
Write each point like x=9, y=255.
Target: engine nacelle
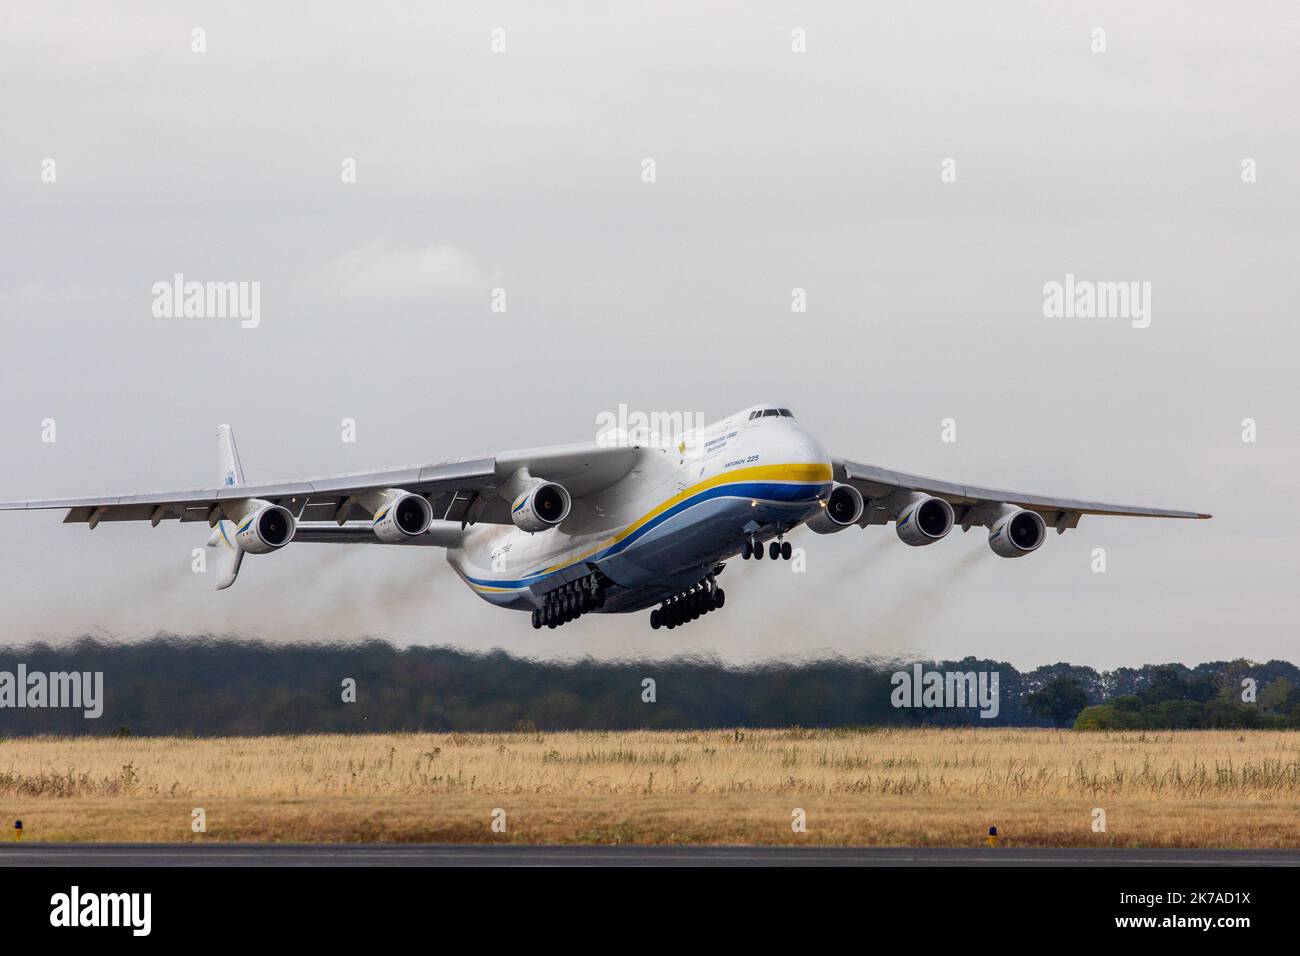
x=842, y=508
x=540, y=506
x=264, y=528
x=398, y=514
x=923, y=520
x=1017, y=532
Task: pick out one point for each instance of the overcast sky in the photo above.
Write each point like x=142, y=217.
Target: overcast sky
x=774, y=170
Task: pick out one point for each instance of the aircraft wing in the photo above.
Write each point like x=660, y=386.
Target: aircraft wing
x=877, y=483
x=460, y=491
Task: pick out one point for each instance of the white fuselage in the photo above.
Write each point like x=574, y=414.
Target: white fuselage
x=687, y=504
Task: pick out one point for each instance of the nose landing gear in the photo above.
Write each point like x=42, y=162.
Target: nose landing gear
x=753, y=548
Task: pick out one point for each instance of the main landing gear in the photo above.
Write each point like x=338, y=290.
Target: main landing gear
x=753, y=548
x=690, y=604
x=570, y=602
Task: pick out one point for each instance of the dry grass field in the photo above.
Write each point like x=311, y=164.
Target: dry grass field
x=879, y=787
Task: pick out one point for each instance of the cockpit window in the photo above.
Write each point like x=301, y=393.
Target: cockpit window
x=770, y=413
x=785, y=413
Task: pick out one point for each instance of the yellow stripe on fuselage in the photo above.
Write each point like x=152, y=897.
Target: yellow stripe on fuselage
x=802, y=472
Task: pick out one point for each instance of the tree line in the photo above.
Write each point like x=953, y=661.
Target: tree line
x=206, y=686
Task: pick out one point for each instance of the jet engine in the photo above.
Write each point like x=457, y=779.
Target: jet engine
x=842, y=508
x=540, y=506
x=923, y=520
x=1017, y=532
x=398, y=514
x=264, y=528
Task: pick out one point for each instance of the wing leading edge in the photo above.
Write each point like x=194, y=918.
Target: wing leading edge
x=460, y=491
x=878, y=483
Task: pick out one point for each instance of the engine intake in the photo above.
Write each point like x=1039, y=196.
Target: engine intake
x=1017, y=532
x=542, y=506
x=399, y=515
x=264, y=528
x=842, y=508
x=923, y=520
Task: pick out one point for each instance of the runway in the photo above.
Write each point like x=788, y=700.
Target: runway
x=405, y=855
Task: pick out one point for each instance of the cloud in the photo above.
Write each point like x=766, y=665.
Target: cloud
x=380, y=270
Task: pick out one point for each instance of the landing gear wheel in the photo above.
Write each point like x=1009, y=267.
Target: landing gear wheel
x=719, y=598
x=774, y=551
x=746, y=550
x=537, y=620
x=655, y=620
x=786, y=550
x=758, y=551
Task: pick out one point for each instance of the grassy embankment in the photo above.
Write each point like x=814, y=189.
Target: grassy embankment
x=882, y=787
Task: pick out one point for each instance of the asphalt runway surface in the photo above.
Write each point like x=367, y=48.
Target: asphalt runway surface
x=286, y=855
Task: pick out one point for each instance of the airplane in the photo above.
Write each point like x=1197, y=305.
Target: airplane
x=636, y=519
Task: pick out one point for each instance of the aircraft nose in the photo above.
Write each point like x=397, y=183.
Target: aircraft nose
x=808, y=450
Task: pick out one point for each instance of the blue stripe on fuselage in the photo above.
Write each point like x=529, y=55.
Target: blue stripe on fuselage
x=763, y=491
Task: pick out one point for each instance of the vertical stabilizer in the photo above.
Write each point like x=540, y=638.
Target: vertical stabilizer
x=232, y=472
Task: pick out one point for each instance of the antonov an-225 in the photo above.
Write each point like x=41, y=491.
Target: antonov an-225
x=621, y=524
